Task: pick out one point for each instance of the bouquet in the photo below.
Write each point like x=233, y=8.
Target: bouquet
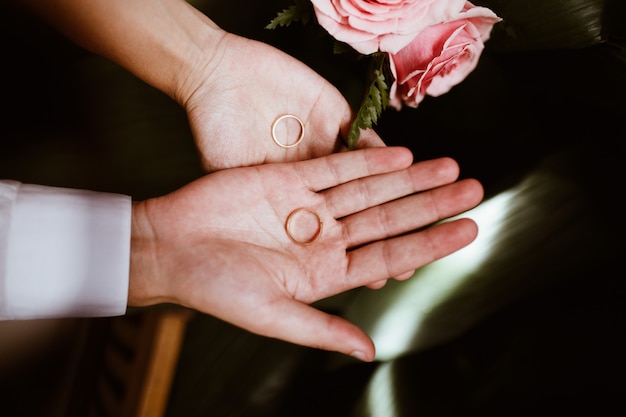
x=417, y=48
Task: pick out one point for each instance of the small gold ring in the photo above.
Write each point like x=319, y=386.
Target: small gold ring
x=315, y=237
x=300, y=137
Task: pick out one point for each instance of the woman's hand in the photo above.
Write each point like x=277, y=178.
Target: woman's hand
x=222, y=244
x=232, y=88
x=244, y=88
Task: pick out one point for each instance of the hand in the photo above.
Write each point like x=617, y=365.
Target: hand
x=244, y=87
x=231, y=87
x=219, y=244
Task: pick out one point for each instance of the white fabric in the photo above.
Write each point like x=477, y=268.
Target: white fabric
x=63, y=252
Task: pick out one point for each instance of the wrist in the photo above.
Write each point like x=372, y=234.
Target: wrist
x=162, y=42
x=193, y=55
x=143, y=286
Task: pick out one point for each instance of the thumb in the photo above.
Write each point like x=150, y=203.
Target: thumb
x=304, y=325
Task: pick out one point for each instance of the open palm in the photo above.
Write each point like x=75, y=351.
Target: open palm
x=222, y=246
x=244, y=88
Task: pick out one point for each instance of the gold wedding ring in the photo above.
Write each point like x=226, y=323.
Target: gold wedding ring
x=300, y=137
x=301, y=211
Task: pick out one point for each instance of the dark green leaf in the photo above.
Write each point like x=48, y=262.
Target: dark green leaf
x=300, y=11
x=374, y=103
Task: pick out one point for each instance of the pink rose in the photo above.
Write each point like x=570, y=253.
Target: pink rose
x=440, y=57
x=381, y=25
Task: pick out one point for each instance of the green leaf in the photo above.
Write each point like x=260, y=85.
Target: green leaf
x=374, y=102
x=300, y=11
x=341, y=48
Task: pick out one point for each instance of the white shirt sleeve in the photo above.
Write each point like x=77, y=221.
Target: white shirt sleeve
x=63, y=252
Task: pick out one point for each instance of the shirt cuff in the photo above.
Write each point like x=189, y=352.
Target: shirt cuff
x=67, y=254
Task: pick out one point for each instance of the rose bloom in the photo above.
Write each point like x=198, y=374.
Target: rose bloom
x=381, y=25
x=440, y=57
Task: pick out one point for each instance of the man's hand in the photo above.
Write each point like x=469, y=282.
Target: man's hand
x=221, y=244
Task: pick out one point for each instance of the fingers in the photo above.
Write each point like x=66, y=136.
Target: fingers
x=398, y=257
x=394, y=257
x=332, y=170
x=411, y=213
x=299, y=323
x=377, y=285
x=404, y=276
x=368, y=192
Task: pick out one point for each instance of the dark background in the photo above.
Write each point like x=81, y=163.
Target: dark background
x=547, y=101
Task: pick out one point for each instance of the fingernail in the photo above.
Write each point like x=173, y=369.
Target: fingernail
x=359, y=355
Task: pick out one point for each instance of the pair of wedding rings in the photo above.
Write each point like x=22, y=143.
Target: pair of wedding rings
x=301, y=215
